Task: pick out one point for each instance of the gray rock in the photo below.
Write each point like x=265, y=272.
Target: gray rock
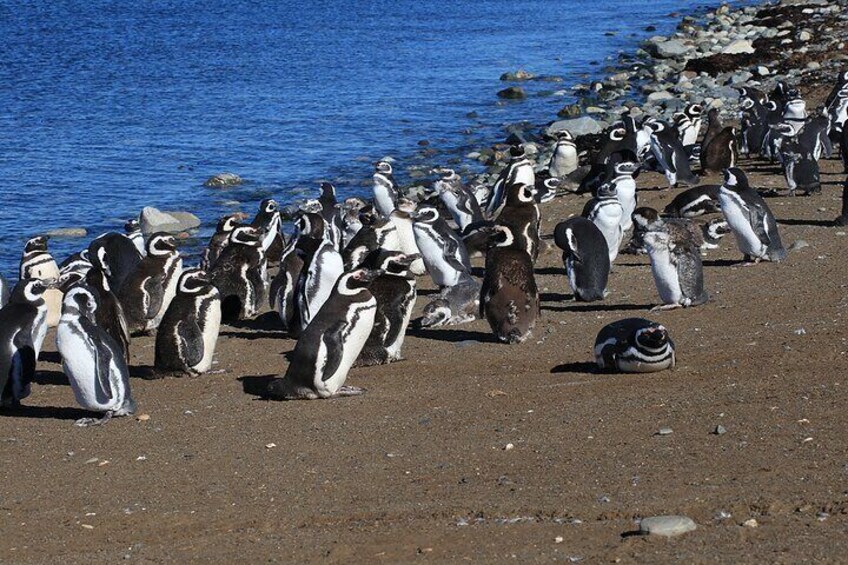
x=664, y=432
x=739, y=46
x=67, y=232
x=805, y=36
x=762, y=71
x=512, y=93
x=666, y=525
x=578, y=126
x=222, y=180
x=153, y=220
x=671, y=49
x=660, y=96
x=719, y=430
x=814, y=65
x=518, y=75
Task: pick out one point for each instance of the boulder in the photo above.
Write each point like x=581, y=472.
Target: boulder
x=223, y=180
x=67, y=232
x=513, y=93
x=739, y=46
x=660, y=96
x=518, y=75
x=578, y=126
x=670, y=49
x=153, y=220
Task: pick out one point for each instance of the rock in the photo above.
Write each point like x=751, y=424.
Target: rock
x=719, y=430
x=222, y=180
x=798, y=244
x=738, y=46
x=666, y=525
x=660, y=96
x=805, y=36
x=762, y=71
x=518, y=75
x=577, y=126
x=570, y=111
x=813, y=65
x=750, y=523
x=670, y=49
x=513, y=93
x=67, y=232
x=153, y=220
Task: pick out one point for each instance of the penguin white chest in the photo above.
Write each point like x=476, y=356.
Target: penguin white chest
x=626, y=191
x=360, y=322
x=747, y=239
x=432, y=251
x=80, y=363
x=608, y=219
x=211, y=329
x=665, y=274
x=406, y=236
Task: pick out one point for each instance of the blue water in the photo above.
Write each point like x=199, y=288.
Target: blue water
x=108, y=106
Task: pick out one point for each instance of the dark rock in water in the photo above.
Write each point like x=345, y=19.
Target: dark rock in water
x=222, y=180
x=472, y=115
x=513, y=93
x=650, y=28
x=518, y=75
x=423, y=143
x=570, y=111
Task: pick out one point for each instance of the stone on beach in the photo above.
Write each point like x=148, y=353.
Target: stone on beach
x=666, y=525
x=577, y=126
x=513, y=93
x=669, y=49
x=153, y=220
x=739, y=46
x=518, y=75
x=222, y=180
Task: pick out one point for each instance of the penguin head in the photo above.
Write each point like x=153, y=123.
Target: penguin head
x=655, y=336
x=747, y=103
x=517, y=152
x=96, y=279
x=645, y=217
x=383, y=167
x=193, y=281
x=310, y=225
x=69, y=279
x=694, y=110
x=653, y=125
x=369, y=215
x=161, y=244
x=132, y=226
x=80, y=300
x=328, y=191
x=436, y=313
x=38, y=243
x=524, y=193
x=228, y=223
x=246, y=235
x=447, y=178
x=426, y=215
x=269, y=206
x=617, y=134
x=350, y=283
x=606, y=191
x=657, y=238
x=312, y=206
x=626, y=168
x=735, y=179
x=406, y=206
x=564, y=136
x=717, y=228
x=500, y=236
x=390, y=262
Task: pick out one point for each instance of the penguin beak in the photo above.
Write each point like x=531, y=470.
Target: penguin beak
x=368, y=275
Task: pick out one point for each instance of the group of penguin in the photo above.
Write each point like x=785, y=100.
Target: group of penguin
x=345, y=284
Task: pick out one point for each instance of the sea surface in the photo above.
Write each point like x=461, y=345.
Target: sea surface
x=108, y=106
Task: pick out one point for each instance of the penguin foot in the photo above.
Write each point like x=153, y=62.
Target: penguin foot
x=88, y=422
x=345, y=391
x=664, y=307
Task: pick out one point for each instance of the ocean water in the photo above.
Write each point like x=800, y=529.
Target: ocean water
x=107, y=106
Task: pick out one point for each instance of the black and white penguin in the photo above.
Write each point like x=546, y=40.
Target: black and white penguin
x=395, y=292
x=5, y=291
x=814, y=137
x=722, y=151
x=509, y=298
x=836, y=105
x=109, y=314
x=546, y=188
x=116, y=255
x=376, y=233
x=351, y=223
x=92, y=361
x=634, y=345
x=688, y=123
x=219, y=239
x=457, y=304
x=443, y=251
x=132, y=231
x=795, y=111
x=669, y=153
x=754, y=124
x=750, y=218
x=518, y=171
x=241, y=274
x=332, y=214
x=605, y=212
x=520, y=213
x=564, y=159
x=385, y=188
x=622, y=136
x=321, y=269
x=694, y=202
x=281, y=296
x=586, y=257
x=149, y=289
x=267, y=221
x=713, y=231
x=459, y=201
x=77, y=262
x=186, y=339
x=625, y=190
x=401, y=217
x=38, y=263
x=23, y=325
x=331, y=343
x=676, y=266
x=800, y=168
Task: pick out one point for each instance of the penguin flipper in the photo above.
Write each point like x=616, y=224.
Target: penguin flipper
x=690, y=276
x=333, y=343
x=102, y=357
x=155, y=293
x=23, y=360
x=190, y=348
x=449, y=254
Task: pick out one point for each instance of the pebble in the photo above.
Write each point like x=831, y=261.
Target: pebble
x=750, y=523
x=143, y=417
x=666, y=525
x=508, y=447
x=664, y=432
x=719, y=430
x=798, y=244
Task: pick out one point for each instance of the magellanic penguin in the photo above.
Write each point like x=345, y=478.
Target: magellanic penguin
x=564, y=159
x=331, y=214
x=401, y=217
x=625, y=190
x=116, y=255
x=443, y=251
x=694, y=202
x=634, y=345
x=78, y=262
x=109, y=314
x=750, y=218
x=385, y=188
x=219, y=239
x=688, y=124
x=308, y=235
x=457, y=199
x=395, y=293
x=455, y=305
x=605, y=212
x=241, y=274
x=351, y=222
x=518, y=171
x=375, y=233
x=669, y=152
x=267, y=221
x=185, y=342
x=148, y=290
x=132, y=231
x=800, y=168
x=586, y=257
x=676, y=266
x=722, y=152
x=509, y=298
x=647, y=219
x=37, y=263
x=91, y=359
x=520, y=213
x=321, y=269
x=330, y=344
x=23, y=325
x=754, y=123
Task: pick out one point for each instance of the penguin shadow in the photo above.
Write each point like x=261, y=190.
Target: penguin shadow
x=256, y=385
x=57, y=378
x=50, y=357
x=453, y=336
x=281, y=334
x=428, y=292
x=834, y=182
x=269, y=321
x=555, y=297
x=811, y=223
x=46, y=412
x=599, y=307
x=721, y=262
x=577, y=367
x=550, y=271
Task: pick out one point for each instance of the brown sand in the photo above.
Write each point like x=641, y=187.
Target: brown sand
x=418, y=468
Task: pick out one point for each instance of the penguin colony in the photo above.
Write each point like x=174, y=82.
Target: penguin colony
x=345, y=283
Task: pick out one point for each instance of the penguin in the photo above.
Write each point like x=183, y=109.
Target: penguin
x=676, y=266
x=186, y=339
x=385, y=188
x=694, y=202
x=457, y=304
x=713, y=231
x=605, y=212
x=444, y=253
x=634, y=345
x=92, y=360
x=623, y=136
x=331, y=215
x=586, y=257
x=395, y=292
x=267, y=221
x=754, y=125
x=814, y=137
x=23, y=326
x=132, y=231
x=457, y=199
x=281, y=295
x=37, y=263
x=722, y=152
x=669, y=153
x=116, y=255
x=795, y=111
x=688, y=123
x=401, y=217
x=564, y=159
x=374, y=234
x=714, y=126
x=109, y=314
x=509, y=298
x=148, y=290
x=78, y=262
x=836, y=105
x=350, y=219
x=219, y=240
x=4, y=291
x=647, y=219
x=625, y=190
x=319, y=274
x=750, y=218
x=546, y=188
x=521, y=215
x=800, y=168
x=330, y=344
x=601, y=173
x=518, y=171
x=241, y=274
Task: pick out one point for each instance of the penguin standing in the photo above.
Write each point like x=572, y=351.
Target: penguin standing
x=241, y=274
x=800, y=168
x=688, y=124
x=395, y=293
x=116, y=255
x=267, y=221
x=318, y=277
x=669, y=152
x=625, y=190
x=330, y=344
x=132, y=231
x=303, y=244
x=676, y=266
x=385, y=188
x=750, y=218
x=564, y=159
x=586, y=257
x=375, y=233
x=92, y=360
x=330, y=213
x=457, y=199
x=606, y=213
x=37, y=263
x=518, y=171
x=219, y=239
x=521, y=215
x=754, y=126
x=634, y=345
x=722, y=152
x=78, y=262
x=185, y=342
x=444, y=253
x=109, y=314
x=509, y=298
x=23, y=325
x=401, y=217
x=148, y=290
